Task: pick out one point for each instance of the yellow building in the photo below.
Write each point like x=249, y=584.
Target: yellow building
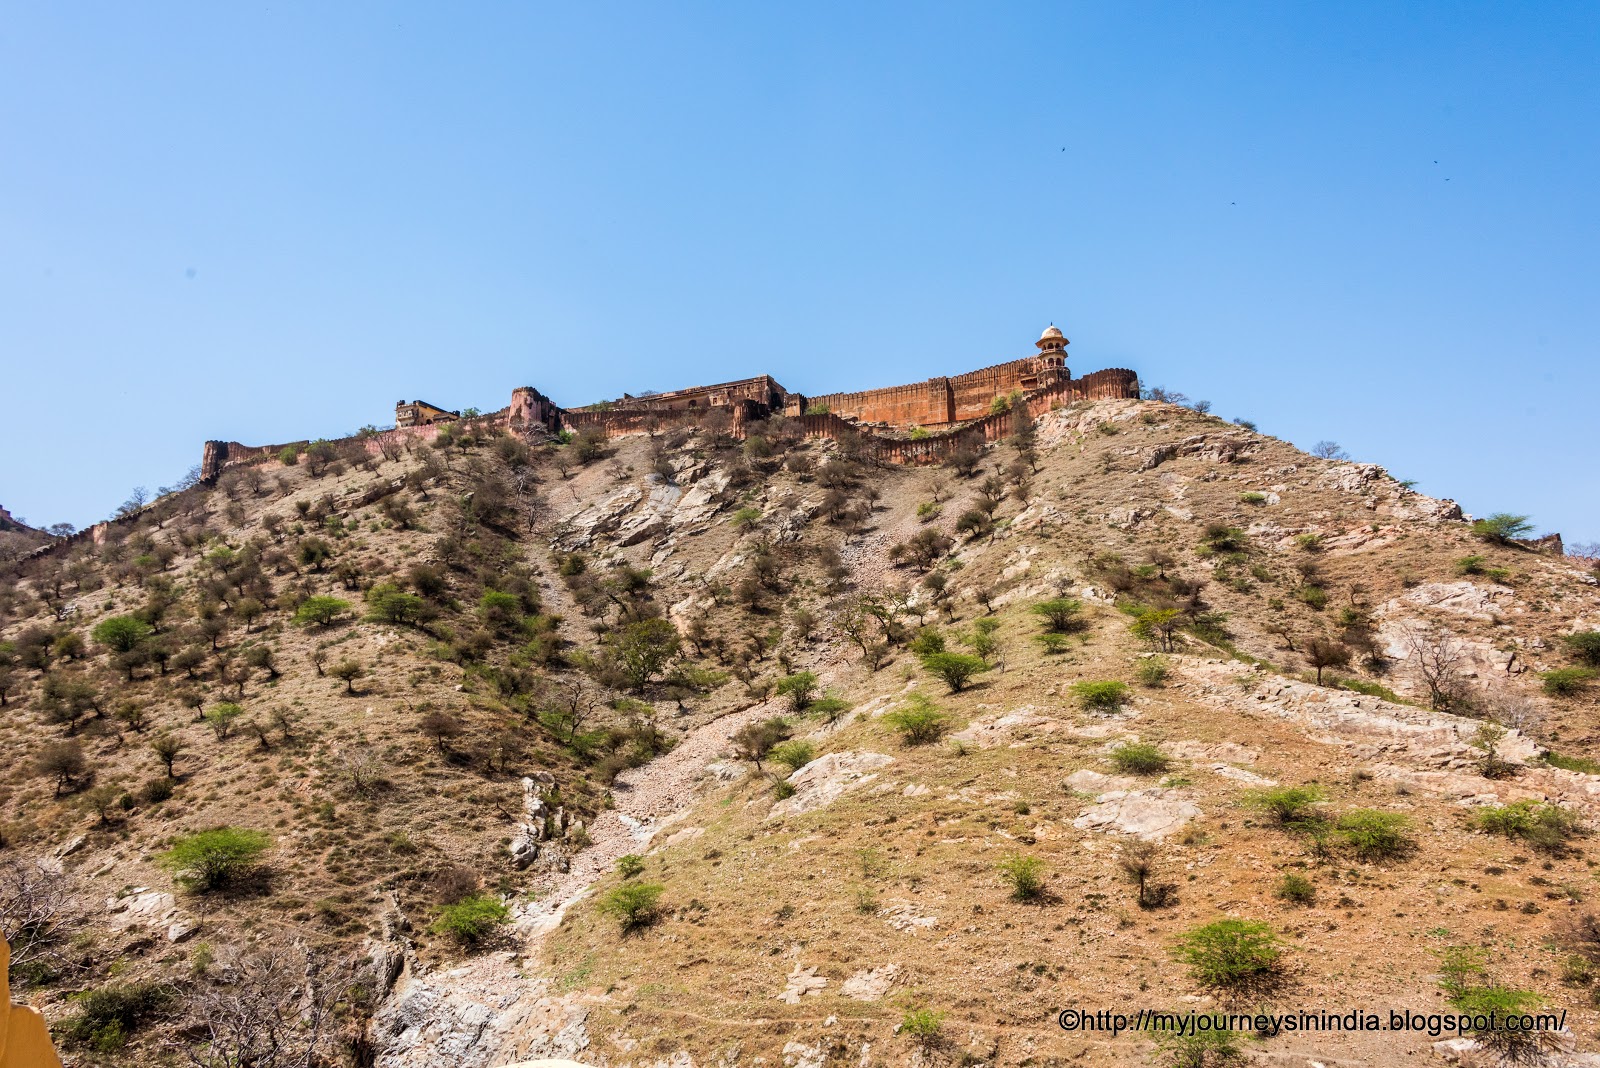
x=421, y=413
x=24, y=1038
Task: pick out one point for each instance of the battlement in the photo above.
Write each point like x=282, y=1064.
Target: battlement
x=979, y=404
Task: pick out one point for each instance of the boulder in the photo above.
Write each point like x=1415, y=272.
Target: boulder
x=827, y=778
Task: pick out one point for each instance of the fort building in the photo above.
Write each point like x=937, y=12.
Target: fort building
x=421, y=413
x=919, y=422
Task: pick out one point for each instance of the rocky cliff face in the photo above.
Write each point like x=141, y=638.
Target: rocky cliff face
x=693, y=751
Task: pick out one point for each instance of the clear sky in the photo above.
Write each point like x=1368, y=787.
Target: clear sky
x=1372, y=223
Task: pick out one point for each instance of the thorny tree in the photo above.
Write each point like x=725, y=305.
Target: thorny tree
x=1439, y=657
x=38, y=917
x=275, y=1007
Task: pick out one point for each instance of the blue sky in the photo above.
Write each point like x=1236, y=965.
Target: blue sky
x=1372, y=223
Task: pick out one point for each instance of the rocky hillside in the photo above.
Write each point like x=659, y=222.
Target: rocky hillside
x=685, y=750
x=17, y=539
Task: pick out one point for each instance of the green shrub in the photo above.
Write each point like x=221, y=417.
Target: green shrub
x=956, y=669
x=799, y=688
x=1252, y=498
x=214, y=859
x=1564, y=682
x=919, y=721
x=1297, y=890
x=1570, y=763
x=630, y=865
x=1502, y=527
x=390, y=604
x=1060, y=614
x=1289, y=805
x=1375, y=835
x=1313, y=597
x=928, y=641
x=1542, y=825
x=1100, y=696
x=1139, y=758
x=1153, y=671
x=1025, y=876
x=1493, y=1002
x=1221, y=538
x=745, y=518
x=982, y=639
x=1053, y=642
x=1585, y=645
x=1371, y=689
x=109, y=1014
x=1184, y=1047
x=829, y=707
x=288, y=456
x=793, y=754
x=922, y=1025
x=320, y=610
x=1230, y=952
x=471, y=920
x=633, y=904
x=1461, y=968
x=500, y=610
x=221, y=718
x=121, y=634
x=1157, y=626
x=1477, y=565
x=1309, y=542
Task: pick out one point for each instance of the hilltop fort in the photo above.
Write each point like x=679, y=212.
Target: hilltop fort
x=917, y=423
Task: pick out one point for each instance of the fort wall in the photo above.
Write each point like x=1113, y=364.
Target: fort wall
x=945, y=400
x=935, y=405
x=762, y=389
x=949, y=407
x=915, y=405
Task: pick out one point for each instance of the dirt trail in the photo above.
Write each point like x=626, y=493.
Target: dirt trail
x=496, y=1007
x=646, y=800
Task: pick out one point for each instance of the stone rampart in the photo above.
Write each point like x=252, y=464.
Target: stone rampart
x=921, y=404
x=939, y=401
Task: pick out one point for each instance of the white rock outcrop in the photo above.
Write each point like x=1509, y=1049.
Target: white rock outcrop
x=828, y=778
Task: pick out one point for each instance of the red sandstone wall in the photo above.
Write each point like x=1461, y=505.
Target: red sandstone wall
x=922, y=404
x=937, y=401
x=835, y=424
x=1113, y=383
x=975, y=392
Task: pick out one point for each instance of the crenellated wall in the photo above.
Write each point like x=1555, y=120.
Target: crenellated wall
x=973, y=393
x=945, y=400
x=922, y=404
x=952, y=408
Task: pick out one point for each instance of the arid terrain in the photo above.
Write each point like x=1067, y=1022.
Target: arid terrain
x=679, y=749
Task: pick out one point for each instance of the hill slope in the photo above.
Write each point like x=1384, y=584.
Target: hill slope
x=442, y=686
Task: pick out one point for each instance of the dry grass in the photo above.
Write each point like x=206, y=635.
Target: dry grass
x=752, y=897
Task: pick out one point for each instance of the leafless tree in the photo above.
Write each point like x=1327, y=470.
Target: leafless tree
x=1519, y=713
x=362, y=765
x=276, y=1006
x=1440, y=657
x=38, y=915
